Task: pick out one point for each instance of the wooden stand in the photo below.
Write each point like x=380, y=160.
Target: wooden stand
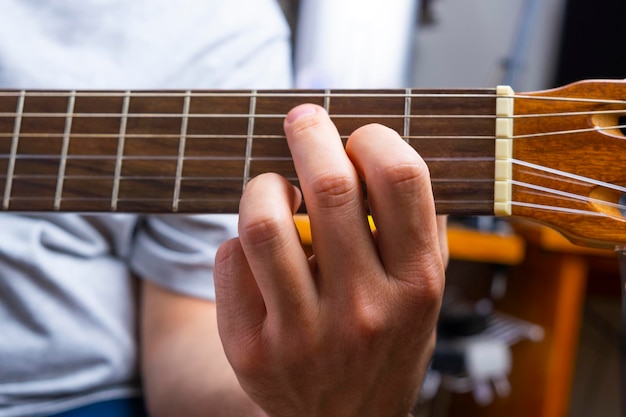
x=548, y=289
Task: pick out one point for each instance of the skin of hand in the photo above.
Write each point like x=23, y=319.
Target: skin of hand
x=349, y=331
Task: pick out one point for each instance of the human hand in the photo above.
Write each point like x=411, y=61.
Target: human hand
x=348, y=332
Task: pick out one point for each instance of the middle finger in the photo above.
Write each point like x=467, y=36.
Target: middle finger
x=341, y=237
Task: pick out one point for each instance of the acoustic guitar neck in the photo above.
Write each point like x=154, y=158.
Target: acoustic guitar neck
x=555, y=156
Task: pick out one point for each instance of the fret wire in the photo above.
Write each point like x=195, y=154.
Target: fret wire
x=58, y=195
x=181, y=150
x=17, y=123
x=120, y=151
x=407, y=114
x=249, y=140
x=327, y=95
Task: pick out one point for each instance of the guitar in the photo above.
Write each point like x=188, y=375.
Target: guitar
x=556, y=156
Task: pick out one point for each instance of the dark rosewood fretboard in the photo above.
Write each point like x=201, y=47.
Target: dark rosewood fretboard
x=193, y=151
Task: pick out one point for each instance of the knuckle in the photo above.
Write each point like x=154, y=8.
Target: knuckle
x=262, y=229
x=405, y=172
x=406, y=178
x=370, y=322
x=332, y=190
x=431, y=291
x=429, y=288
x=369, y=314
x=423, y=292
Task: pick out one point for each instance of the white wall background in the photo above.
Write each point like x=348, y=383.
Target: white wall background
x=470, y=39
x=372, y=43
x=355, y=43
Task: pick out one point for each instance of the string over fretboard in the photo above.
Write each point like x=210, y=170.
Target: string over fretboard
x=194, y=151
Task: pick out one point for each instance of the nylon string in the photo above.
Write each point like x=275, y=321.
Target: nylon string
x=327, y=95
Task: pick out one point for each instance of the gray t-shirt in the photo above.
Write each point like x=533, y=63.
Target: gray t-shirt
x=67, y=296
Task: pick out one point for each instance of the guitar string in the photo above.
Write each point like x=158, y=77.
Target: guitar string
x=542, y=191
x=157, y=136
x=246, y=94
x=220, y=200
x=564, y=210
x=518, y=96
x=320, y=94
x=570, y=132
x=203, y=158
x=278, y=116
x=568, y=99
x=556, y=192
x=176, y=115
x=280, y=136
x=252, y=135
x=556, y=175
x=213, y=198
x=552, y=174
x=325, y=95
x=570, y=113
x=176, y=136
x=287, y=159
x=564, y=196
x=587, y=180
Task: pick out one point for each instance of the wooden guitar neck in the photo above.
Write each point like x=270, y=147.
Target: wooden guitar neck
x=555, y=156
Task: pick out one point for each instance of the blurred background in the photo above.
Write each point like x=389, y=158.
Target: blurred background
x=537, y=44
x=530, y=323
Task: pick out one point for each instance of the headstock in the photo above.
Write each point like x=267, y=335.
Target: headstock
x=569, y=161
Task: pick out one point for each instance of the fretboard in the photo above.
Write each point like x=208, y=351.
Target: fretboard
x=194, y=151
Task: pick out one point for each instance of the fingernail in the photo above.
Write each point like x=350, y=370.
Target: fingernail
x=301, y=111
